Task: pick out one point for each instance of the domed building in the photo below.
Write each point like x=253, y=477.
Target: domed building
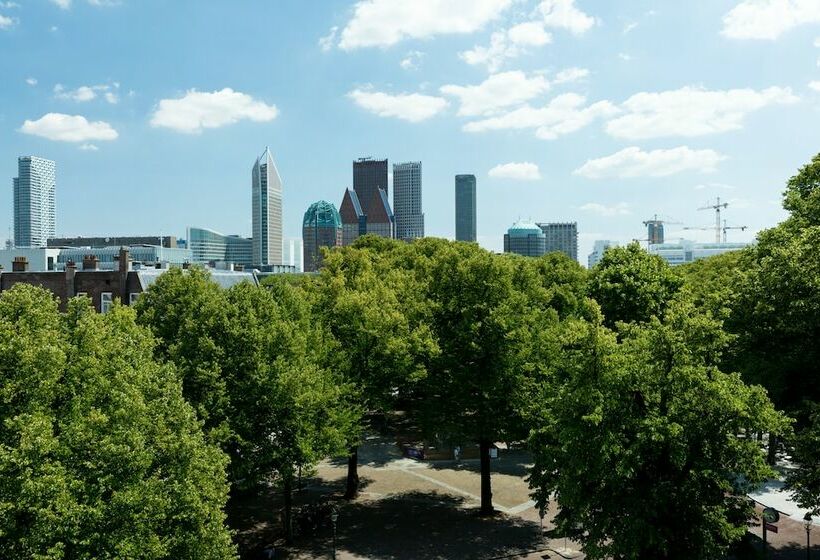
x=525, y=238
x=321, y=227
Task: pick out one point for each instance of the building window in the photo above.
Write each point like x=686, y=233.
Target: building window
x=82, y=294
x=132, y=298
x=106, y=301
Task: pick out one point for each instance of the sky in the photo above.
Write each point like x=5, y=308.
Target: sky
x=604, y=113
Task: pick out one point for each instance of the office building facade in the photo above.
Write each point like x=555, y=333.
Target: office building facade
x=466, y=210
x=407, y=205
x=369, y=175
x=266, y=207
x=685, y=251
x=167, y=241
x=561, y=237
x=321, y=227
x=293, y=254
x=599, y=248
x=526, y=239
x=35, y=217
x=354, y=220
x=208, y=246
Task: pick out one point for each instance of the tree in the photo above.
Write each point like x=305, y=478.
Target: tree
x=100, y=456
x=632, y=286
x=713, y=282
x=645, y=444
x=804, y=481
x=371, y=310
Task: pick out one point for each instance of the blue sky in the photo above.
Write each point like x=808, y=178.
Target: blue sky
x=604, y=113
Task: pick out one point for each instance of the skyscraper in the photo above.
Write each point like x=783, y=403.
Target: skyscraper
x=562, y=237
x=369, y=175
x=466, y=208
x=354, y=221
x=525, y=238
x=407, y=200
x=267, y=211
x=35, y=218
x=321, y=227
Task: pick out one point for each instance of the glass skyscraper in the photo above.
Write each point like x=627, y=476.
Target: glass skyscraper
x=407, y=200
x=466, y=215
x=35, y=218
x=267, y=211
x=321, y=227
x=369, y=175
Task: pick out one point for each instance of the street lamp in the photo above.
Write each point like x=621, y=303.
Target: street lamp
x=334, y=515
x=807, y=524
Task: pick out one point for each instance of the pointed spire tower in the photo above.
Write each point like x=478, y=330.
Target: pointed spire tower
x=267, y=211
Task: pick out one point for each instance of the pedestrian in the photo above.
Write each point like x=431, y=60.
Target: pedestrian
x=457, y=452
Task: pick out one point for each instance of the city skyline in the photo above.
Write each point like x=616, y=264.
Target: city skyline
x=629, y=125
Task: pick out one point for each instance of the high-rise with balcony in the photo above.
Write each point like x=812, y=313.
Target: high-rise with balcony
x=466, y=208
x=267, y=211
x=34, y=209
x=407, y=200
x=370, y=175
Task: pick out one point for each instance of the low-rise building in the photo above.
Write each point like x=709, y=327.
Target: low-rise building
x=167, y=241
x=686, y=251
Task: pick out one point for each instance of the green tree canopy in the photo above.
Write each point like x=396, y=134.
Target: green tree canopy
x=100, y=455
x=645, y=444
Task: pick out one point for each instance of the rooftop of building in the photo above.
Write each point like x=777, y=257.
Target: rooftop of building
x=524, y=229
x=322, y=214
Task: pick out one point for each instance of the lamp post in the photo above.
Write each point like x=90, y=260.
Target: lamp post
x=334, y=515
x=808, y=525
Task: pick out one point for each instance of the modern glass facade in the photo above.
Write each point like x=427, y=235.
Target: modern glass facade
x=369, y=175
x=526, y=239
x=562, y=237
x=321, y=227
x=354, y=221
x=210, y=246
x=407, y=206
x=107, y=257
x=267, y=211
x=35, y=218
x=466, y=217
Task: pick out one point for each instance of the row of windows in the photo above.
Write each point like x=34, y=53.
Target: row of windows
x=107, y=300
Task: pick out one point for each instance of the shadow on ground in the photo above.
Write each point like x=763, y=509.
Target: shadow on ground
x=416, y=525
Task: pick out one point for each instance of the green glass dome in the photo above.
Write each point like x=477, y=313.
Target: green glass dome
x=525, y=229
x=322, y=214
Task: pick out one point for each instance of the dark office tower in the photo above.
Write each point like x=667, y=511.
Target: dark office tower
x=369, y=175
x=466, y=217
x=654, y=231
x=354, y=222
x=321, y=227
x=407, y=200
x=562, y=237
x=380, y=220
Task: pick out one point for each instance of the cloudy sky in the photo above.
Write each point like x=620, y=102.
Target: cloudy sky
x=604, y=113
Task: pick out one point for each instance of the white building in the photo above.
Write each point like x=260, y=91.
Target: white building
x=598, y=250
x=267, y=211
x=407, y=200
x=293, y=254
x=685, y=251
x=35, y=218
x=38, y=259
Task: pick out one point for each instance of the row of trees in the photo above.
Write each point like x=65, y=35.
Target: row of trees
x=121, y=433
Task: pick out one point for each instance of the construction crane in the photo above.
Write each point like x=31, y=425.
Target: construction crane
x=654, y=230
x=724, y=229
x=716, y=207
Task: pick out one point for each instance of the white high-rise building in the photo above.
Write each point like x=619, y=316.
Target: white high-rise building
x=35, y=219
x=294, y=254
x=598, y=251
x=267, y=211
x=407, y=200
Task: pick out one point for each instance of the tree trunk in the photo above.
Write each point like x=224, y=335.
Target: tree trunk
x=352, y=473
x=486, y=487
x=288, y=491
x=773, y=441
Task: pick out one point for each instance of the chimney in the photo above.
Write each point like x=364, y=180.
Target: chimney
x=124, y=263
x=89, y=262
x=20, y=264
x=70, y=271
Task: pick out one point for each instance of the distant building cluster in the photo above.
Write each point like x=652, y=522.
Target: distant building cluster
x=537, y=239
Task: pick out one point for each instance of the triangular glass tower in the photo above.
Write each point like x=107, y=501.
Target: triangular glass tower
x=267, y=211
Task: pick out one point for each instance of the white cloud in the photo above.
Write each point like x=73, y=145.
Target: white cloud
x=563, y=14
x=499, y=91
x=9, y=5
x=570, y=75
x=562, y=115
x=64, y=4
x=88, y=93
x=382, y=23
x=411, y=60
x=817, y=42
x=634, y=162
x=68, y=128
x=525, y=171
x=7, y=22
x=630, y=27
x=89, y=148
x=815, y=85
x=705, y=186
x=412, y=107
x=198, y=110
x=619, y=209
x=768, y=19
x=31, y=81
x=507, y=44
x=692, y=111
x=326, y=42
x=625, y=57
